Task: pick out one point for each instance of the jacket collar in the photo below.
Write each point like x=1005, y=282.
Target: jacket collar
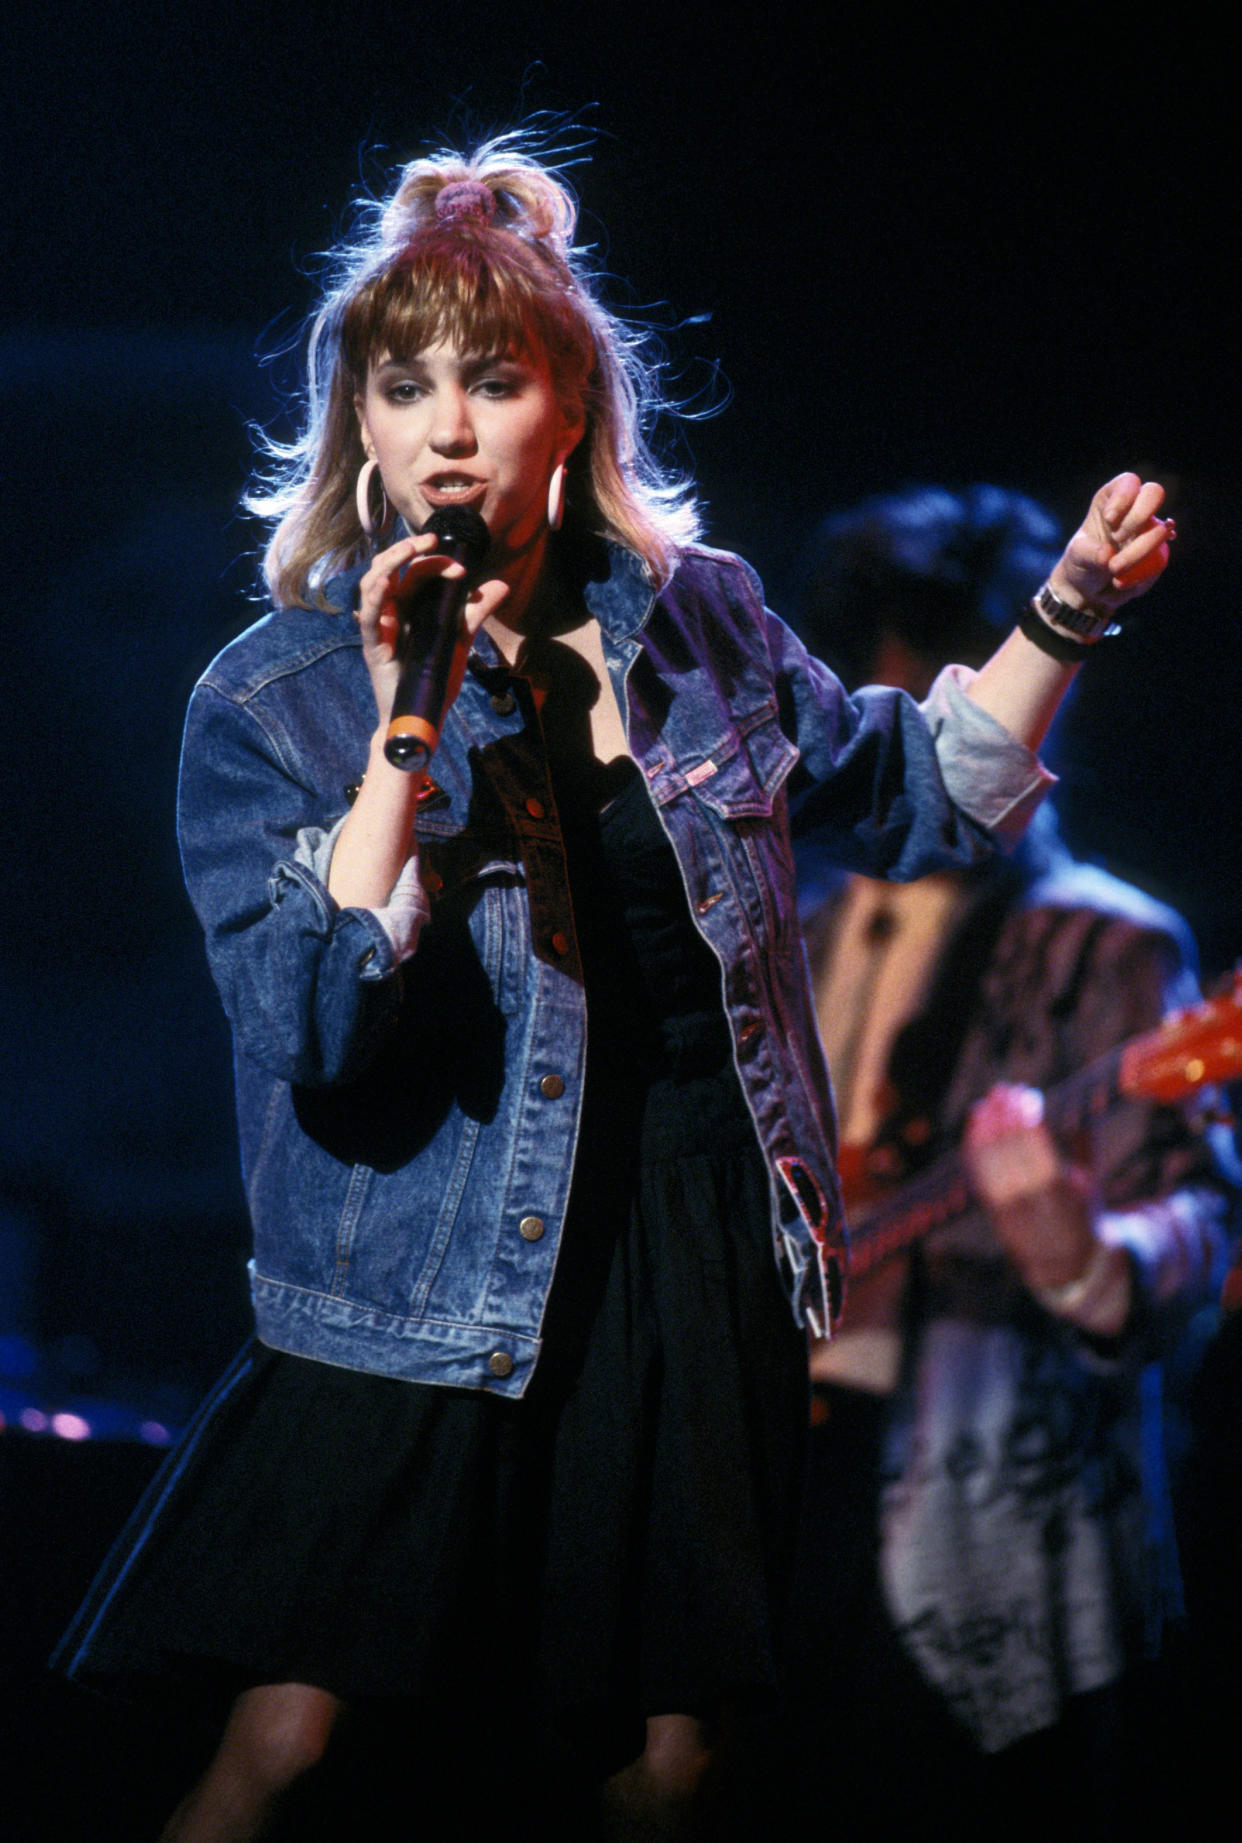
x=622, y=596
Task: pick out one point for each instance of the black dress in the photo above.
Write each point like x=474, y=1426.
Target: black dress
x=614, y=1544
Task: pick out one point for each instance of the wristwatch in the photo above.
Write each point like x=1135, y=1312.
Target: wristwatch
x=1084, y=624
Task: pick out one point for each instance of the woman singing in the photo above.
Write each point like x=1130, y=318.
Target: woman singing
x=536, y=1134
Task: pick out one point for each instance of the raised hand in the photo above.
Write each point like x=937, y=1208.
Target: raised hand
x=1120, y=548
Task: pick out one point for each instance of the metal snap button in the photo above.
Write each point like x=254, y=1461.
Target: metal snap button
x=500, y=1363
x=552, y=1087
x=530, y=1228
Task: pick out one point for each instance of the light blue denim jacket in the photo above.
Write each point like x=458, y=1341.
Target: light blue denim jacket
x=409, y=1084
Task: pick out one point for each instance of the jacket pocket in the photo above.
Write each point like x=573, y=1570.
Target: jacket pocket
x=742, y=778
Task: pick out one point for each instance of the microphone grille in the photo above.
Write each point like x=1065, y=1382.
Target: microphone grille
x=461, y=533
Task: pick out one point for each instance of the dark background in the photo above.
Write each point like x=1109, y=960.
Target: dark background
x=902, y=251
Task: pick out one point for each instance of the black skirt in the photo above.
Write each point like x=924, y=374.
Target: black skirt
x=612, y=1545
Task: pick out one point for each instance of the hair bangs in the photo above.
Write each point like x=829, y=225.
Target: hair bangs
x=442, y=292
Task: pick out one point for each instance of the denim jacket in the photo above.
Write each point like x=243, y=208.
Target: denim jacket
x=409, y=1089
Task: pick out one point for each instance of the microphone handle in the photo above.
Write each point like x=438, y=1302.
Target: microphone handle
x=417, y=714
x=428, y=641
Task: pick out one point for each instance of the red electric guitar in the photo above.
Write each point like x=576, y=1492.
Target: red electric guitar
x=1191, y=1049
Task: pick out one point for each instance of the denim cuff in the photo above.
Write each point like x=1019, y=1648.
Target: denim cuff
x=994, y=779
x=402, y=916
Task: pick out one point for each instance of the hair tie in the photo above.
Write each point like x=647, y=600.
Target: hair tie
x=465, y=201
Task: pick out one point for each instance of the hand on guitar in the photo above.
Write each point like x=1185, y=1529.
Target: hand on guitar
x=1042, y=1208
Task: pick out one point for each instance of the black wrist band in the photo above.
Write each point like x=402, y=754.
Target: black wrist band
x=1086, y=623
x=1060, y=647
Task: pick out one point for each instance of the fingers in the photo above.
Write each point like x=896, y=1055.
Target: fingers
x=1041, y=1206
x=394, y=575
x=1008, y=1150
x=1129, y=508
x=1007, y=1108
x=1116, y=498
x=1141, y=560
x=374, y=588
x=393, y=578
x=1122, y=545
x=1139, y=540
x=1123, y=508
x=385, y=563
x=1144, y=505
x=482, y=602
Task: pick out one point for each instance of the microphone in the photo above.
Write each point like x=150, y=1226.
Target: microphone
x=428, y=640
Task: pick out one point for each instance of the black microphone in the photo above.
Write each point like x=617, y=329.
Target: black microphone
x=428, y=639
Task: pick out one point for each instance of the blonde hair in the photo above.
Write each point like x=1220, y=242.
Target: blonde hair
x=414, y=278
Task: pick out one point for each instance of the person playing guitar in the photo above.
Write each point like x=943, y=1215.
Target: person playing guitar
x=979, y=1559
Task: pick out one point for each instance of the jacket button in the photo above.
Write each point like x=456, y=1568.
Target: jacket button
x=500, y=1363
x=560, y=943
x=365, y=957
x=535, y=807
x=551, y=1087
x=708, y=902
x=530, y=1228
x=504, y=703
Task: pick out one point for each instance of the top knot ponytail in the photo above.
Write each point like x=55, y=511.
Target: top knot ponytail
x=526, y=199
x=465, y=201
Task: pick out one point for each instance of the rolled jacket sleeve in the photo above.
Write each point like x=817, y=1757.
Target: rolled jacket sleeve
x=402, y=916
x=987, y=773
x=893, y=788
x=308, y=987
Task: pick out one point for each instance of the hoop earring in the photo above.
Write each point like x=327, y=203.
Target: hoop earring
x=556, y=497
x=362, y=499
